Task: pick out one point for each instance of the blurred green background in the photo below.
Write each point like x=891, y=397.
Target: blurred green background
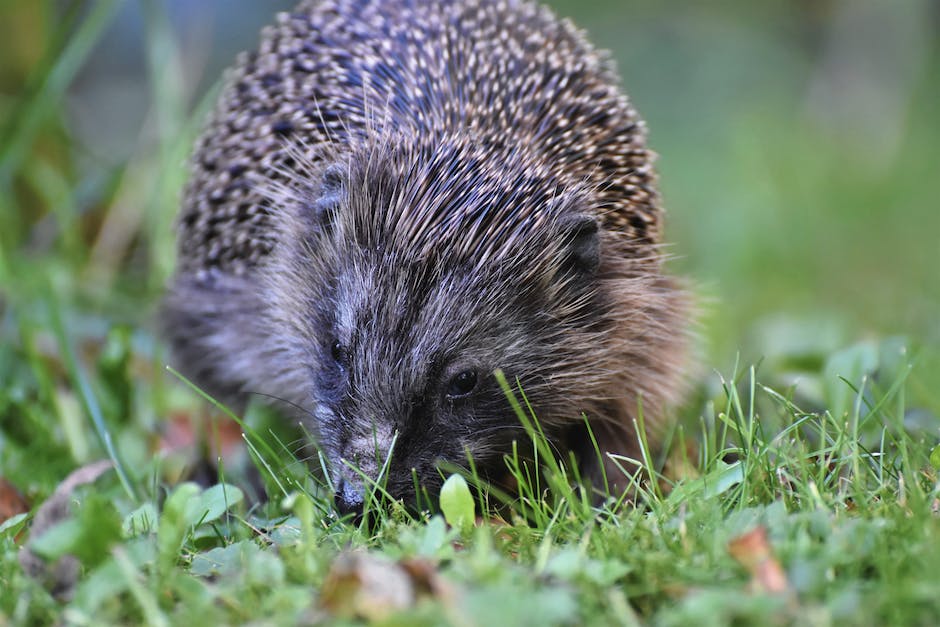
x=799, y=146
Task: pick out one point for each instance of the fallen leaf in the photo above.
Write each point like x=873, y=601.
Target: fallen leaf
x=371, y=587
x=426, y=579
x=61, y=575
x=365, y=586
x=753, y=551
x=11, y=501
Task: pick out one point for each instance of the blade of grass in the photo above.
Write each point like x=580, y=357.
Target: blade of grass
x=89, y=400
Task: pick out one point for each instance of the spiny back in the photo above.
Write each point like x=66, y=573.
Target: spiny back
x=505, y=81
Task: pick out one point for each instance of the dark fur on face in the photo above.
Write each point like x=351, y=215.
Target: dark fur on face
x=372, y=243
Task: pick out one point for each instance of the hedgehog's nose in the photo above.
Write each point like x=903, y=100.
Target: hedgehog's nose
x=349, y=499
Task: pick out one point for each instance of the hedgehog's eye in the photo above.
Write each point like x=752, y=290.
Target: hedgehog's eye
x=338, y=351
x=462, y=384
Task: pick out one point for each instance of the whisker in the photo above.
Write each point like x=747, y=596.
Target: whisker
x=498, y=428
x=299, y=408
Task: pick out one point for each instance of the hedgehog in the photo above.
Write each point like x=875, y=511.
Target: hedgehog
x=395, y=200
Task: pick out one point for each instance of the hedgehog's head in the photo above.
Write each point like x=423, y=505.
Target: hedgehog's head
x=406, y=277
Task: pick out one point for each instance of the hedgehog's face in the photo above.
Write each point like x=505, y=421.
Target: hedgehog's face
x=403, y=380
x=404, y=339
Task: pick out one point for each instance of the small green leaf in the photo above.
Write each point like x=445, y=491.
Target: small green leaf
x=57, y=540
x=88, y=534
x=935, y=457
x=226, y=560
x=433, y=538
x=457, y=503
x=11, y=526
x=215, y=501
x=140, y=521
x=107, y=581
x=175, y=523
x=724, y=479
x=715, y=483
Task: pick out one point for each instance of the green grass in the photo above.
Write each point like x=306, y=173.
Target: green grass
x=849, y=501
x=816, y=265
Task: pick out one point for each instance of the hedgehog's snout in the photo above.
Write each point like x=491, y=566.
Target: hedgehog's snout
x=359, y=463
x=349, y=498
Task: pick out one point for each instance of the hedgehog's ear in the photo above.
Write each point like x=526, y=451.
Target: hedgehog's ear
x=581, y=254
x=326, y=197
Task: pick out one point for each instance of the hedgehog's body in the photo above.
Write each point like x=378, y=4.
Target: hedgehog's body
x=394, y=199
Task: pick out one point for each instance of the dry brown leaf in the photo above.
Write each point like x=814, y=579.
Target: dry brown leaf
x=12, y=501
x=371, y=587
x=427, y=580
x=753, y=551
